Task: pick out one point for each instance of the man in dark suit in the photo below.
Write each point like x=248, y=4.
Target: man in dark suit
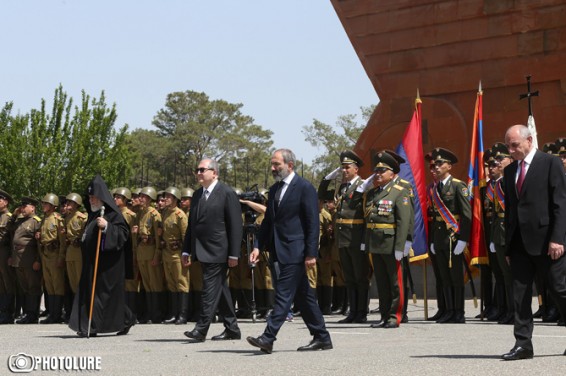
x=290, y=231
x=213, y=237
x=535, y=222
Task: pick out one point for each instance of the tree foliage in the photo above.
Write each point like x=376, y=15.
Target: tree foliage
x=61, y=151
x=333, y=139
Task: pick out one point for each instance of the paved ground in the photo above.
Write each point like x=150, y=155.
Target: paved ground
x=416, y=348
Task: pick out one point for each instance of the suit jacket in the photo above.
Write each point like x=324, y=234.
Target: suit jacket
x=291, y=232
x=216, y=223
x=539, y=212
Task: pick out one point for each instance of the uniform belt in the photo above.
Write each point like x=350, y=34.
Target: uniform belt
x=501, y=215
x=381, y=225
x=350, y=221
x=439, y=218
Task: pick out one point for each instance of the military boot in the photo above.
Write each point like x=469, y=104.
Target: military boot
x=353, y=299
x=171, y=317
x=326, y=306
x=6, y=308
x=449, y=301
x=183, y=302
x=55, y=310
x=31, y=310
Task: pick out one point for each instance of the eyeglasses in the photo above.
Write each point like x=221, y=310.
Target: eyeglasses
x=201, y=170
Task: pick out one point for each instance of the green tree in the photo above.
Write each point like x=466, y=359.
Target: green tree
x=333, y=139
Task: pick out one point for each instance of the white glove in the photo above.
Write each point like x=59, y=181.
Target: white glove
x=408, y=246
x=459, y=247
x=366, y=184
x=398, y=255
x=432, y=249
x=334, y=174
x=363, y=247
x=492, y=247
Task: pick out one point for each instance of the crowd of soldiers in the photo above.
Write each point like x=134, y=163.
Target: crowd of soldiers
x=366, y=228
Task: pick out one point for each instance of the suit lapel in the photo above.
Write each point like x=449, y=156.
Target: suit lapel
x=530, y=175
x=288, y=192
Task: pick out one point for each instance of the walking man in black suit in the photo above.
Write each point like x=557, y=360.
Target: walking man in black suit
x=290, y=231
x=213, y=237
x=535, y=222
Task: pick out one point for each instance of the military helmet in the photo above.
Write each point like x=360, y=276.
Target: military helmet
x=123, y=191
x=75, y=197
x=136, y=191
x=174, y=191
x=187, y=192
x=150, y=192
x=51, y=198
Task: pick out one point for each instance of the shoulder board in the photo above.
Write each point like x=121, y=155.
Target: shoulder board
x=37, y=218
x=398, y=187
x=9, y=214
x=457, y=180
x=404, y=181
x=179, y=212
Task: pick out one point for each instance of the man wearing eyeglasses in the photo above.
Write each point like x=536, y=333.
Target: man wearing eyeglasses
x=213, y=237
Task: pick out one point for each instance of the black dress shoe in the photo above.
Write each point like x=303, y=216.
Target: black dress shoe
x=436, y=316
x=508, y=319
x=227, y=335
x=347, y=320
x=360, y=319
x=316, y=344
x=27, y=319
x=378, y=324
x=85, y=334
x=518, y=353
x=261, y=343
x=196, y=335
x=405, y=319
x=390, y=325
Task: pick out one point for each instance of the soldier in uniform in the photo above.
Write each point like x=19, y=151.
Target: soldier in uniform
x=148, y=252
x=348, y=232
x=387, y=215
x=450, y=232
x=24, y=226
x=74, y=223
x=135, y=204
x=324, y=262
x=8, y=288
x=561, y=145
x=52, y=251
x=174, y=229
x=195, y=269
x=409, y=243
x=122, y=196
x=499, y=159
x=490, y=309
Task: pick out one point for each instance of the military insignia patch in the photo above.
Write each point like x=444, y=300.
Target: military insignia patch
x=465, y=191
x=405, y=201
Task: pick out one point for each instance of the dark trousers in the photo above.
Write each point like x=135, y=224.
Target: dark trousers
x=389, y=279
x=293, y=285
x=524, y=267
x=216, y=295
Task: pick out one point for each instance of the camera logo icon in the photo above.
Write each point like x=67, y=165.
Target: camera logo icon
x=21, y=363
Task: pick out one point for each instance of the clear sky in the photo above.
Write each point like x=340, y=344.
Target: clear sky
x=286, y=61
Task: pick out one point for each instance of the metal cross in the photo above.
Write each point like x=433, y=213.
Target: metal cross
x=529, y=95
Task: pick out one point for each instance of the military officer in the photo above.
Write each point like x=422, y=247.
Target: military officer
x=387, y=215
x=450, y=232
x=491, y=309
x=7, y=275
x=174, y=229
x=148, y=252
x=500, y=158
x=74, y=223
x=348, y=232
x=195, y=269
x=561, y=145
x=24, y=226
x=52, y=251
x=324, y=262
x=122, y=196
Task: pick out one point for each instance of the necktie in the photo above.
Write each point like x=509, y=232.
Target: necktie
x=440, y=186
x=278, y=194
x=521, y=178
x=206, y=193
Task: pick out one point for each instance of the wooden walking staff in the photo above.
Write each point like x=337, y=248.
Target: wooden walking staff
x=94, y=276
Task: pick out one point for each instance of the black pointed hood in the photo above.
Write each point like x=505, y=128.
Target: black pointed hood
x=97, y=187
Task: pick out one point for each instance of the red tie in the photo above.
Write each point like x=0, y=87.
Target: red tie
x=521, y=178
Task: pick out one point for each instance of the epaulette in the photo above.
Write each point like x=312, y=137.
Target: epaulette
x=178, y=212
x=9, y=214
x=457, y=180
x=404, y=181
x=398, y=187
x=37, y=218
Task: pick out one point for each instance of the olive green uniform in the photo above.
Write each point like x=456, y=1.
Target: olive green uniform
x=324, y=262
x=454, y=195
x=52, y=252
x=132, y=285
x=75, y=224
x=174, y=229
x=8, y=287
x=25, y=252
x=149, y=249
x=387, y=214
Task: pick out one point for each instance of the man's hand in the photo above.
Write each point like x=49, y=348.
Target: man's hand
x=254, y=256
x=185, y=261
x=398, y=255
x=232, y=262
x=407, y=249
x=459, y=249
x=101, y=222
x=334, y=174
x=432, y=249
x=60, y=262
x=310, y=262
x=555, y=250
x=492, y=247
x=155, y=261
x=36, y=266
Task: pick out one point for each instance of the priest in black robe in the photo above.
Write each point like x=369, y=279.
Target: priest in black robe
x=110, y=313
